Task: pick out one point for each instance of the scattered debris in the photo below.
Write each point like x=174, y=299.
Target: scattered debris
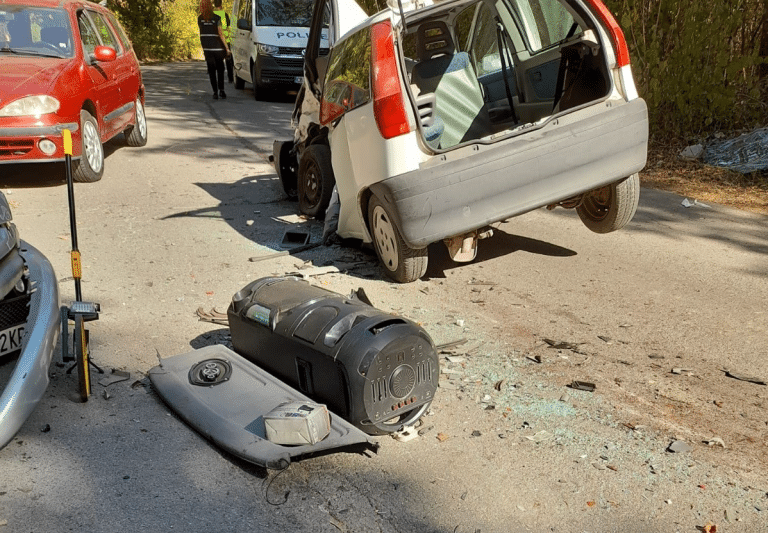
x=582, y=385
x=476, y=433
x=605, y=339
x=692, y=153
x=535, y=358
x=46, y=428
x=540, y=436
x=563, y=345
x=314, y=271
x=679, y=371
x=105, y=394
x=687, y=203
x=442, y=437
x=679, y=446
x=744, y=154
x=499, y=384
x=715, y=441
x=655, y=356
x=449, y=345
x=718, y=403
x=708, y=528
x=406, y=434
x=599, y=466
x=212, y=316
x=743, y=377
x=284, y=252
x=425, y=430
x=293, y=238
x=115, y=377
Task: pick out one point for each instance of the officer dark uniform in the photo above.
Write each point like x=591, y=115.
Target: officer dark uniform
x=215, y=51
x=227, y=31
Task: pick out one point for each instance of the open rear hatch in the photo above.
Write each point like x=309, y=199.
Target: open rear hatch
x=230, y=410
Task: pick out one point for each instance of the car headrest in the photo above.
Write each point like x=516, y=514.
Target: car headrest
x=433, y=39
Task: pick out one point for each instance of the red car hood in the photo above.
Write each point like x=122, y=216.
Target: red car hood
x=25, y=75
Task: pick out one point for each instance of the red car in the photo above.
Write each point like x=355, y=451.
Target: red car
x=66, y=64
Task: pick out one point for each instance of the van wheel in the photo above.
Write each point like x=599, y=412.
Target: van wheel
x=90, y=166
x=401, y=262
x=315, y=181
x=239, y=83
x=611, y=207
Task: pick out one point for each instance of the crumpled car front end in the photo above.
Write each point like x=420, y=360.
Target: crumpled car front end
x=29, y=325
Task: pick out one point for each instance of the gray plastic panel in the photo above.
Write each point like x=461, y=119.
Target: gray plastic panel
x=231, y=414
x=464, y=191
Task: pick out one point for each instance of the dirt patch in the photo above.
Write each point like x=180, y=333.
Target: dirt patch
x=666, y=171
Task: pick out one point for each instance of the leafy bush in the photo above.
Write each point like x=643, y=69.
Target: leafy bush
x=696, y=64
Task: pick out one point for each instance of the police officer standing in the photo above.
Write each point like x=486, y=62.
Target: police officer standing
x=225, y=28
x=214, y=47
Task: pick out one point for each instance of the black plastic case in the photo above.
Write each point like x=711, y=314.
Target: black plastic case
x=377, y=370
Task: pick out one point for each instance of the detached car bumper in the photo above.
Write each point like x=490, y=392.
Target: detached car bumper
x=29, y=379
x=458, y=192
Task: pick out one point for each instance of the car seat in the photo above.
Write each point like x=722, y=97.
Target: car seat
x=56, y=36
x=450, y=76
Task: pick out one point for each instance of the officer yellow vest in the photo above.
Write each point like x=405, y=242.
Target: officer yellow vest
x=224, y=26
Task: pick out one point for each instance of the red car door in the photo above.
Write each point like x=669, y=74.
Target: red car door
x=104, y=75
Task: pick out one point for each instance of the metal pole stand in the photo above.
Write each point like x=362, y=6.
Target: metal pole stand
x=78, y=311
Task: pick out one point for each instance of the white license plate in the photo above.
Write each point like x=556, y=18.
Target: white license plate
x=10, y=339
x=299, y=79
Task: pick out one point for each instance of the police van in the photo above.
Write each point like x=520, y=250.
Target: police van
x=269, y=39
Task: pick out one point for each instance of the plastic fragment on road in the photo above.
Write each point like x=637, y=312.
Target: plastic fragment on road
x=744, y=377
x=679, y=446
x=744, y=154
x=115, y=377
x=583, y=385
x=695, y=203
x=715, y=441
x=406, y=434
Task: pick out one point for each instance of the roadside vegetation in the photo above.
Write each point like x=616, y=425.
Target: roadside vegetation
x=701, y=66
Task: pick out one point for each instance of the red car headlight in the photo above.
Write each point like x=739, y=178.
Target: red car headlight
x=30, y=106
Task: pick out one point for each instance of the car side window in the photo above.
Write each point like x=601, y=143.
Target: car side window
x=104, y=31
x=347, y=82
x=88, y=34
x=120, y=32
x=545, y=22
x=244, y=11
x=485, y=44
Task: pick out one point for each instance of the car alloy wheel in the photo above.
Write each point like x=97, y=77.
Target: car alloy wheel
x=90, y=166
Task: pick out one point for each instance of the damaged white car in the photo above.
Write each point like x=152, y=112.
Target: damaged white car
x=435, y=120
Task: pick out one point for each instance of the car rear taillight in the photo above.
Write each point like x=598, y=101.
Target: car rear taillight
x=388, y=105
x=619, y=42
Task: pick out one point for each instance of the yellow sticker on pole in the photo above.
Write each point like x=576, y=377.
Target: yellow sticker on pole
x=77, y=268
x=67, y=141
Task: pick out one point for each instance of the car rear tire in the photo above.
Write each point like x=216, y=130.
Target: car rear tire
x=287, y=170
x=315, y=181
x=401, y=263
x=136, y=135
x=90, y=166
x=611, y=207
x=239, y=83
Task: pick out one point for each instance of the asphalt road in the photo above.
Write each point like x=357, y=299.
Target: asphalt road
x=506, y=447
